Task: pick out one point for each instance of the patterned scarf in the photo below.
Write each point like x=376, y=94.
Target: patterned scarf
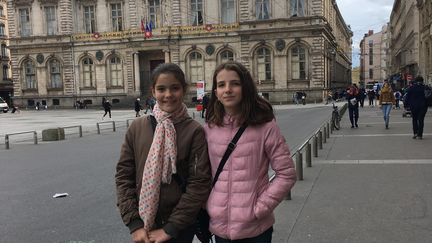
x=160, y=163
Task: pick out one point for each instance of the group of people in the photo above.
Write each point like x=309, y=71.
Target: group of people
x=299, y=97
x=415, y=100
x=167, y=162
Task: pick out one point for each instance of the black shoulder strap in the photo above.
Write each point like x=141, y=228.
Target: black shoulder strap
x=231, y=147
x=153, y=123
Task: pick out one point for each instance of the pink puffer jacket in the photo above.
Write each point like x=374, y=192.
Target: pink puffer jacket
x=242, y=202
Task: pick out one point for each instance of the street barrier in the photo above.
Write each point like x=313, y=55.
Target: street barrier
x=18, y=133
x=105, y=122
x=79, y=129
x=317, y=139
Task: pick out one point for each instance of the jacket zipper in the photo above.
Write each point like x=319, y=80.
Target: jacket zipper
x=196, y=162
x=229, y=188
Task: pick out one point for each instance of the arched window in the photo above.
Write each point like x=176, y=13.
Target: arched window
x=115, y=71
x=298, y=62
x=28, y=70
x=264, y=64
x=226, y=56
x=196, y=66
x=55, y=74
x=88, y=73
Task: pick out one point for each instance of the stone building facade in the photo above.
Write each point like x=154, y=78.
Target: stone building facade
x=6, y=85
x=404, y=45
x=425, y=15
x=68, y=50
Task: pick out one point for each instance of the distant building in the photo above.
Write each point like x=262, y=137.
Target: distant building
x=373, y=56
x=355, y=76
x=405, y=41
x=6, y=84
x=64, y=50
x=425, y=63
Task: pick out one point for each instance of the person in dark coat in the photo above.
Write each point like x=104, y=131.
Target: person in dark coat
x=107, y=108
x=371, y=97
x=137, y=107
x=416, y=100
x=353, y=105
x=205, y=101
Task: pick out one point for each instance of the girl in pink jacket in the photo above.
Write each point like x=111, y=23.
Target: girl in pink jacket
x=242, y=201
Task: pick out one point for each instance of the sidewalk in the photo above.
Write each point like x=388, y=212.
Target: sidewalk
x=368, y=184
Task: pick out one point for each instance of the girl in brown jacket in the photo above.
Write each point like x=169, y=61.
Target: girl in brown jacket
x=164, y=178
x=386, y=100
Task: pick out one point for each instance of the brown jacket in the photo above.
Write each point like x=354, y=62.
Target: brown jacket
x=387, y=97
x=178, y=205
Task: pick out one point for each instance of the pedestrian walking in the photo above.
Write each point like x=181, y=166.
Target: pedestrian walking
x=398, y=96
x=107, y=108
x=205, y=100
x=150, y=103
x=138, y=107
x=163, y=179
x=353, y=105
x=386, y=102
x=242, y=201
x=416, y=100
x=371, y=97
x=362, y=96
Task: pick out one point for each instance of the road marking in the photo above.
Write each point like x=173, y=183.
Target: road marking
x=388, y=161
x=379, y=135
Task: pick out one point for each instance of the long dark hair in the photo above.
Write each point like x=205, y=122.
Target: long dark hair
x=254, y=109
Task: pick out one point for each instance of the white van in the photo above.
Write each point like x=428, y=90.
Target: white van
x=3, y=106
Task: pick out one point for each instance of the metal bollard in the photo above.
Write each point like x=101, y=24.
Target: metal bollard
x=288, y=196
x=320, y=135
x=98, y=128
x=193, y=114
x=315, y=146
x=299, y=166
x=7, y=141
x=308, y=155
x=331, y=128
x=35, y=137
x=80, y=131
x=325, y=135
x=127, y=123
x=114, y=128
x=328, y=130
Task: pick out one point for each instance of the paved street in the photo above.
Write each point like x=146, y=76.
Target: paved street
x=84, y=167
x=367, y=185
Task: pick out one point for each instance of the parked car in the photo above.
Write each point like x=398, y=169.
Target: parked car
x=3, y=106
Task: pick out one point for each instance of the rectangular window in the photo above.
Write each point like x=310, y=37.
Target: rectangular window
x=155, y=13
x=197, y=12
x=89, y=19
x=262, y=9
x=371, y=56
x=50, y=17
x=2, y=29
x=297, y=8
x=116, y=17
x=24, y=22
x=371, y=73
x=228, y=11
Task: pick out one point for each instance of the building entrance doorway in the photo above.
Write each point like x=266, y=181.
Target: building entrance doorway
x=148, y=61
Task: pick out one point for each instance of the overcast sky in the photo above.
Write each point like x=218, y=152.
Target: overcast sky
x=364, y=15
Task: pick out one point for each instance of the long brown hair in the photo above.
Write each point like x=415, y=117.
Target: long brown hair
x=254, y=109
